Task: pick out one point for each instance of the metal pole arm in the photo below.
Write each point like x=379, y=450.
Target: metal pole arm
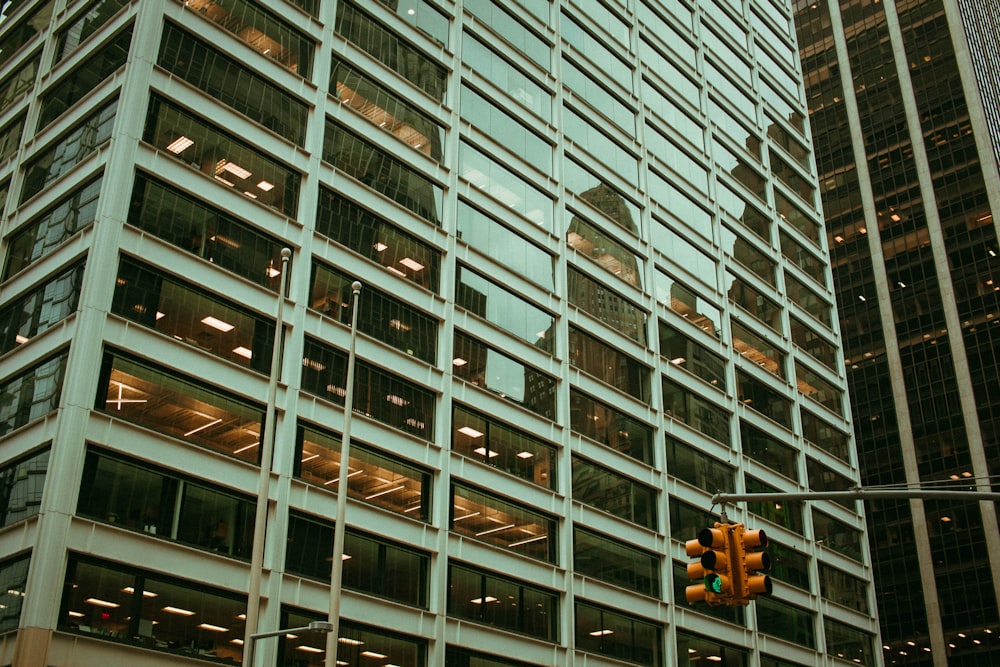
x=856, y=494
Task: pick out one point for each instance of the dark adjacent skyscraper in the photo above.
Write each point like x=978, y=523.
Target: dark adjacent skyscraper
x=903, y=101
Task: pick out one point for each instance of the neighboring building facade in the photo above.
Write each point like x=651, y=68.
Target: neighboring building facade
x=595, y=293
x=903, y=104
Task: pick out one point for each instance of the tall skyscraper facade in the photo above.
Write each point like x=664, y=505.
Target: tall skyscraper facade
x=902, y=98
x=595, y=293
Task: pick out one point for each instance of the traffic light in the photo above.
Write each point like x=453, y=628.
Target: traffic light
x=712, y=548
x=747, y=583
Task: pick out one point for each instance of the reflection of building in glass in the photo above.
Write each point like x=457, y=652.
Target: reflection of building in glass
x=905, y=126
x=595, y=293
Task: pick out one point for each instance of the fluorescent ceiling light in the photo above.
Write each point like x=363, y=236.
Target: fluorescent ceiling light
x=397, y=400
x=524, y=455
x=309, y=649
x=411, y=264
x=487, y=599
x=244, y=448
x=180, y=144
x=265, y=186
x=243, y=352
x=459, y=361
x=76, y=614
x=349, y=642
x=482, y=451
x=102, y=603
x=494, y=530
x=202, y=428
x=178, y=611
x=216, y=323
x=236, y=170
x=145, y=594
x=471, y=432
x=601, y=633
x=379, y=246
x=373, y=654
x=212, y=628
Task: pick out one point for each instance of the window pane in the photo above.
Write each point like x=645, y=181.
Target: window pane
x=372, y=565
x=607, y=364
x=21, y=486
x=617, y=635
x=786, y=622
x=185, y=313
x=385, y=109
x=40, y=309
x=682, y=300
x=391, y=50
x=501, y=602
x=691, y=465
x=697, y=412
x=684, y=353
x=507, y=187
x=84, y=78
x=502, y=307
x=612, y=256
x=373, y=477
x=615, y=563
x=382, y=172
x=32, y=394
x=614, y=493
x=69, y=150
x=74, y=34
x=504, y=246
x=610, y=427
x=837, y=535
x=489, y=117
x=380, y=316
x=225, y=159
x=25, y=31
x=13, y=579
x=263, y=31
x=113, y=602
x=519, y=383
x=378, y=394
x=760, y=397
x=506, y=448
x=787, y=513
x=377, y=239
x=179, y=407
x=770, y=451
x=758, y=350
x=356, y=645
x=233, y=84
x=207, y=232
x=503, y=524
x=606, y=305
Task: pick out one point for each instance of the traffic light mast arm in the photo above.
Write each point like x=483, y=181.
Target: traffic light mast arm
x=856, y=494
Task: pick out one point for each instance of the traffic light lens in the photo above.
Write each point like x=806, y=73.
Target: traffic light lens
x=713, y=583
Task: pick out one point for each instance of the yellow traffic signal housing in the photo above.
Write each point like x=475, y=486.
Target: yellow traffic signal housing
x=712, y=548
x=747, y=582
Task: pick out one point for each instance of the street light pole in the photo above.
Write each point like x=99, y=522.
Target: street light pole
x=337, y=566
x=267, y=438
x=314, y=626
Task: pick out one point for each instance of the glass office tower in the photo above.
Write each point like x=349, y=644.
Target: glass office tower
x=903, y=104
x=595, y=293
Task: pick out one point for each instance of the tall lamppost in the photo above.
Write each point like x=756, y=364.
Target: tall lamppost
x=315, y=626
x=337, y=573
x=264, y=483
